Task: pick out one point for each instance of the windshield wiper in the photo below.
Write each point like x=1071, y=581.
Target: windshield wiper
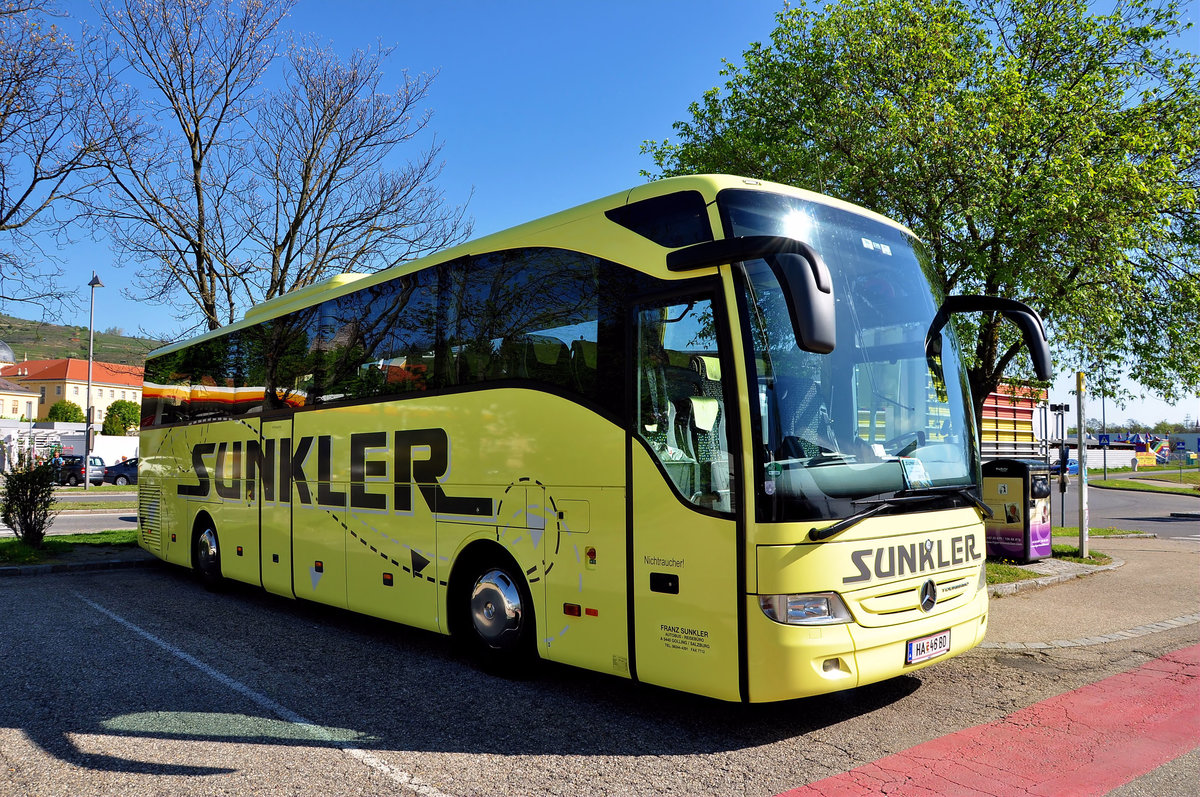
x=816, y=535
x=925, y=496
x=961, y=491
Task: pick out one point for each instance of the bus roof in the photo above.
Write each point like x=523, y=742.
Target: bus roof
x=539, y=232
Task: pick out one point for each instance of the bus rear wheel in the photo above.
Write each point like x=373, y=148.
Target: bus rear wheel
x=206, y=557
x=496, y=620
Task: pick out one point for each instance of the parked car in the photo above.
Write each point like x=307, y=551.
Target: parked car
x=1072, y=466
x=124, y=472
x=71, y=471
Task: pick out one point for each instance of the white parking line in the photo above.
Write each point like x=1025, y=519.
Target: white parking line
x=317, y=732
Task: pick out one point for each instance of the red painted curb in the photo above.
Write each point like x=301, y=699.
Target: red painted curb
x=1085, y=742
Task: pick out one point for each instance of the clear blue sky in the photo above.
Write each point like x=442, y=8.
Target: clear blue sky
x=539, y=105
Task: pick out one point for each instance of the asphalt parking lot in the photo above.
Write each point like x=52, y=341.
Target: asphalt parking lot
x=139, y=681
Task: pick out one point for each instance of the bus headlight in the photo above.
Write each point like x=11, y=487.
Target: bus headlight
x=982, y=577
x=821, y=608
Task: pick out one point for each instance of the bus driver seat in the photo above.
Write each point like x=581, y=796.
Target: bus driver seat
x=806, y=426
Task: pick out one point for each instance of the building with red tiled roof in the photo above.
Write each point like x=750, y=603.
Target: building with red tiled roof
x=17, y=401
x=55, y=380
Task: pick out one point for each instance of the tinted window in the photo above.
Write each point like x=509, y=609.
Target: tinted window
x=377, y=341
x=281, y=360
x=267, y=366
x=525, y=316
x=537, y=317
x=673, y=220
x=528, y=315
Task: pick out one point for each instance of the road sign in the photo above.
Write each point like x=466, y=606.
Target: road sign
x=1104, y=440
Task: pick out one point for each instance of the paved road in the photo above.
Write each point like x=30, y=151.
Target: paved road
x=85, y=522
x=1149, y=512
x=140, y=682
x=78, y=494
x=1127, y=509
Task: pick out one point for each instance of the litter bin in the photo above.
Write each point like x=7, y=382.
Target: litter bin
x=1018, y=493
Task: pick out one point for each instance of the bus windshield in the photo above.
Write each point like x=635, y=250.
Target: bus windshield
x=879, y=415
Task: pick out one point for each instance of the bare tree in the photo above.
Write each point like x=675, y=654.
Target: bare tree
x=44, y=153
x=177, y=159
x=228, y=195
x=329, y=201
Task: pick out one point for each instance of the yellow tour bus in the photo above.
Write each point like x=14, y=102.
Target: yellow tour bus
x=710, y=433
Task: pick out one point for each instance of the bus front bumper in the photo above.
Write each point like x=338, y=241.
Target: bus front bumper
x=791, y=661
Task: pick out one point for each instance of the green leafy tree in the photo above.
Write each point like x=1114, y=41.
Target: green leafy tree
x=65, y=411
x=1043, y=153
x=120, y=417
x=28, y=499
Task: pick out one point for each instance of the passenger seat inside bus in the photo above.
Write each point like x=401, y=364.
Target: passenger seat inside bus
x=540, y=357
x=709, y=433
x=664, y=389
x=583, y=366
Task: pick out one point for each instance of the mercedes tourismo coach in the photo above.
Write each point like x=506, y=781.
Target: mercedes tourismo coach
x=711, y=433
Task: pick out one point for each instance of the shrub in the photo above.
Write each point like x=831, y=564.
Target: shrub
x=120, y=417
x=65, y=412
x=28, y=498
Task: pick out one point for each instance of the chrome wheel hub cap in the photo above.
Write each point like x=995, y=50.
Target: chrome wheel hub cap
x=207, y=549
x=496, y=610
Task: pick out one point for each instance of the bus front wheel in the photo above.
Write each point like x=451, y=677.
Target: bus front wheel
x=206, y=557
x=496, y=618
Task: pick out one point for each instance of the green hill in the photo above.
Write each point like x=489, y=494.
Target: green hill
x=38, y=340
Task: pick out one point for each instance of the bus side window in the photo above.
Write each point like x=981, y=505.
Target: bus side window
x=680, y=400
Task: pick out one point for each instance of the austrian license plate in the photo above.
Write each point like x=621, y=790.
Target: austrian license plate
x=927, y=647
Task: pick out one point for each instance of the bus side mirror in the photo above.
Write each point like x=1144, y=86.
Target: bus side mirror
x=808, y=289
x=1021, y=314
x=803, y=275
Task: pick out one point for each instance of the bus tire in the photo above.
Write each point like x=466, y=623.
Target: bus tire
x=494, y=615
x=206, y=555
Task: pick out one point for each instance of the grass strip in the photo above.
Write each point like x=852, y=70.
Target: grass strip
x=1070, y=553
x=1186, y=477
x=1004, y=571
x=1103, y=531
x=98, y=488
x=16, y=552
x=114, y=506
x=1144, y=486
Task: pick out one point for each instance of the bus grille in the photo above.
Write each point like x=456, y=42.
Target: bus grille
x=150, y=518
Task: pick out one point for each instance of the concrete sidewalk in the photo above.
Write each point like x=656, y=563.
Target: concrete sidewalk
x=85, y=559
x=1150, y=586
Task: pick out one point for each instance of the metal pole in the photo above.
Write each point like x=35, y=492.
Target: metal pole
x=1103, y=424
x=1080, y=389
x=1060, y=431
x=87, y=432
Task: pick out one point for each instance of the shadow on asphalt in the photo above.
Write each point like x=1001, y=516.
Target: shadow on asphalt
x=364, y=683
x=1160, y=519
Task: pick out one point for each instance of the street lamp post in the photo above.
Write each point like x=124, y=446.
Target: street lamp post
x=87, y=433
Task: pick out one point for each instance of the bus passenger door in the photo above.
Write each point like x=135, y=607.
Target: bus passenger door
x=684, y=562
x=275, y=505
